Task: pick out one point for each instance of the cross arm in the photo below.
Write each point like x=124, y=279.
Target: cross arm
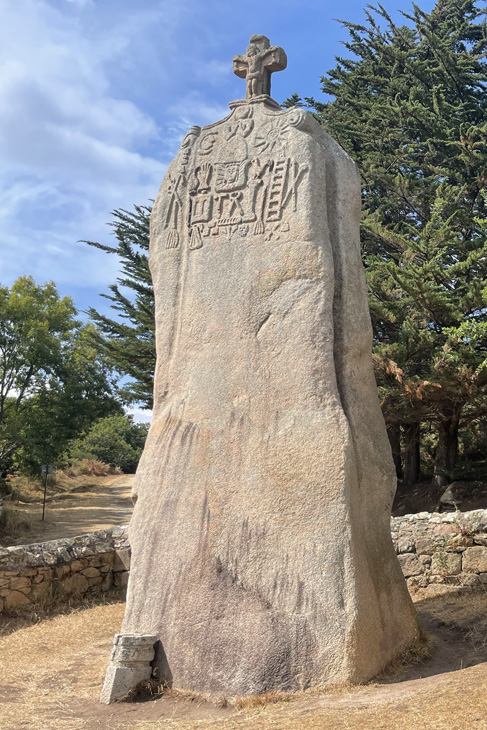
x=275, y=59
x=240, y=66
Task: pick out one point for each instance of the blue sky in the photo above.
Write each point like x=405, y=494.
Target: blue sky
x=95, y=96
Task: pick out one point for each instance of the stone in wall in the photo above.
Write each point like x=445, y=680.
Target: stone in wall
x=475, y=560
x=440, y=552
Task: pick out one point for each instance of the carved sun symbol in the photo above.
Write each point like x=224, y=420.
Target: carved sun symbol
x=276, y=136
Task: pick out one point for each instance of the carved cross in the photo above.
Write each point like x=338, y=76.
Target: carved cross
x=261, y=60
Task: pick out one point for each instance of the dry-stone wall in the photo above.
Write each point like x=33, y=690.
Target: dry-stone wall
x=87, y=564
x=437, y=552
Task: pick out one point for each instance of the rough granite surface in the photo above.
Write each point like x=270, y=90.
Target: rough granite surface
x=261, y=548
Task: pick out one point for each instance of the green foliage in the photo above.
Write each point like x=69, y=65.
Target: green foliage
x=410, y=106
x=128, y=341
x=52, y=382
x=80, y=395
x=115, y=440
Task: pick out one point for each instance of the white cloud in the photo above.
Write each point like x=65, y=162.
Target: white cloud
x=139, y=414
x=71, y=149
x=214, y=71
x=94, y=100
x=188, y=110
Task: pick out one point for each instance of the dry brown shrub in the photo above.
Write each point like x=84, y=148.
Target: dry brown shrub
x=147, y=689
x=90, y=467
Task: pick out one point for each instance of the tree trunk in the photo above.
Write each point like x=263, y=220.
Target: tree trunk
x=411, y=453
x=394, y=434
x=446, y=451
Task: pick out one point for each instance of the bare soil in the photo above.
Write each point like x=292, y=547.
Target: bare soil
x=103, y=503
x=424, y=497
x=51, y=674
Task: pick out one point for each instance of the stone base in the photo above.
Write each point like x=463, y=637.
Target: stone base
x=130, y=664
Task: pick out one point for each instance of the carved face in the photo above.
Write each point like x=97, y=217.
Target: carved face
x=253, y=50
x=229, y=173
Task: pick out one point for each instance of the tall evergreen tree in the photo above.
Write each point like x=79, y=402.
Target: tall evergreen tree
x=410, y=106
x=128, y=340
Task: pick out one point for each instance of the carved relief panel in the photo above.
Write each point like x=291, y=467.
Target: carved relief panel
x=234, y=179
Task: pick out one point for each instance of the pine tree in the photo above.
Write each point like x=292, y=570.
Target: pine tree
x=128, y=341
x=410, y=106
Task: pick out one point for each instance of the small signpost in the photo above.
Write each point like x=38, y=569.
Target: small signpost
x=45, y=469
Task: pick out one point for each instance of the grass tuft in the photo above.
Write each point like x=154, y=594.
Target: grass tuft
x=268, y=698
x=420, y=649
x=144, y=691
x=13, y=524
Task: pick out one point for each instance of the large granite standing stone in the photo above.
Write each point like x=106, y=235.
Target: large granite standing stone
x=262, y=554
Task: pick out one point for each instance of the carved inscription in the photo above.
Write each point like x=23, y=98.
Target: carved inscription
x=241, y=123
x=286, y=176
x=176, y=183
x=187, y=146
x=207, y=143
x=231, y=192
x=231, y=176
x=241, y=193
x=274, y=138
x=174, y=209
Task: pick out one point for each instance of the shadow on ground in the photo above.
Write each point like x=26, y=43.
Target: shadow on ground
x=457, y=623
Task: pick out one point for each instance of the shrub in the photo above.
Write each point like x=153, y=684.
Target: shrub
x=115, y=440
x=90, y=468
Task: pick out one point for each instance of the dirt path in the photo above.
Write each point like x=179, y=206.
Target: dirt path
x=55, y=679
x=93, y=507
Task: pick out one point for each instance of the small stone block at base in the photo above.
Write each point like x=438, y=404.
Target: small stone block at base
x=130, y=664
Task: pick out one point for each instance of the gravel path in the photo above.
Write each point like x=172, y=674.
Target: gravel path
x=94, y=507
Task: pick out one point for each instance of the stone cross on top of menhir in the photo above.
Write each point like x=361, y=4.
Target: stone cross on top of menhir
x=258, y=64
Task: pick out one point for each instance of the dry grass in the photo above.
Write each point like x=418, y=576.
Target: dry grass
x=27, y=489
x=75, y=506
x=457, y=611
x=62, y=482
x=268, y=698
x=54, y=665
x=419, y=650
x=52, y=673
x=13, y=524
